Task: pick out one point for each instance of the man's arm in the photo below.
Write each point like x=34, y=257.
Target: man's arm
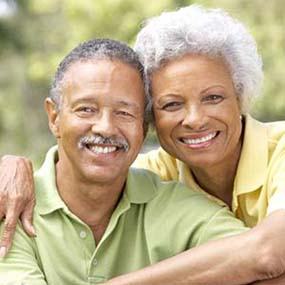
x=17, y=198
x=258, y=254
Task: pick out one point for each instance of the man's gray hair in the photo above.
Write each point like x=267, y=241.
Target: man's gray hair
x=96, y=49
x=210, y=32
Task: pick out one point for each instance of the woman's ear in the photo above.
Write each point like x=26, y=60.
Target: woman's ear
x=53, y=117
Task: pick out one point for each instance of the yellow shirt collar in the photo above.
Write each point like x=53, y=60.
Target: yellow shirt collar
x=253, y=161
x=185, y=176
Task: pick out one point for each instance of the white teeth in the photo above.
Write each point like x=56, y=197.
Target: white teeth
x=200, y=140
x=97, y=139
x=101, y=149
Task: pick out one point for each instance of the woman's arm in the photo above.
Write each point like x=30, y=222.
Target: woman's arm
x=258, y=254
x=275, y=281
x=17, y=198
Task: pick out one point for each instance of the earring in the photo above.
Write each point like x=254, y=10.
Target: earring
x=240, y=117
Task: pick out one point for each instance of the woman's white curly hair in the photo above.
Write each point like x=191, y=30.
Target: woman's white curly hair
x=210, y=32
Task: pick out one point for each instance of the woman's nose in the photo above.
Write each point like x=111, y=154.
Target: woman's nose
x=194, y=118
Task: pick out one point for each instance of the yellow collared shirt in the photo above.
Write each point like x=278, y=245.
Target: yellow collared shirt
x=259, y=185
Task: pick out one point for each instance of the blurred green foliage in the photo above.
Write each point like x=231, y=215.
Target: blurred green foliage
x=35, y=35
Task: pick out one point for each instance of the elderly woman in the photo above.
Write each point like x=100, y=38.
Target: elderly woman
x=202, y=70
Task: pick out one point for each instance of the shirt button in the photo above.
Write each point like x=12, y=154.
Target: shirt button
x=82, y=234
x=95, y=262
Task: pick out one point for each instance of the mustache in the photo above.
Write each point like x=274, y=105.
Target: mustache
x=99, y=139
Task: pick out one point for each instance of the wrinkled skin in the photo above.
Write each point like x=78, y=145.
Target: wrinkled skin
x=17, y=198
x=276, y=281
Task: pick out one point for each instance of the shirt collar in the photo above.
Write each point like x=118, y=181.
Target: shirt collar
x=139, y=188
x=253, y=161
x=186, y=177
x=45, y=183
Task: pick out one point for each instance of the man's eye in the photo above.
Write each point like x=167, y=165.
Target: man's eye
x=124, y=114
x=171, y=106
x=86, y=109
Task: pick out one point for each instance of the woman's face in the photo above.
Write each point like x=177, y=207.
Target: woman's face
x=197, y=113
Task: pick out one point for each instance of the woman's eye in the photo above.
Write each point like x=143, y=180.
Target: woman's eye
x=171, y=106
x=213, y=98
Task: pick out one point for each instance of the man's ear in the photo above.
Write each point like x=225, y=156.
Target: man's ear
x=53, y=117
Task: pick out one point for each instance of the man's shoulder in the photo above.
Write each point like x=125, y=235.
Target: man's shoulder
x=172, y=194
x=185, y=217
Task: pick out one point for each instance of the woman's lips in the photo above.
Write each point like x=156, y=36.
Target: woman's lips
x=198, y=141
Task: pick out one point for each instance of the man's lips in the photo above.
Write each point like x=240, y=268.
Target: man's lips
x=103, y=145
x=198, y=139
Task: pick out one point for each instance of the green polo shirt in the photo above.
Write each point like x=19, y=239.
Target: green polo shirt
x=154, y=220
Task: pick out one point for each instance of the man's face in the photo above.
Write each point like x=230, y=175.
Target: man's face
x=100, y=124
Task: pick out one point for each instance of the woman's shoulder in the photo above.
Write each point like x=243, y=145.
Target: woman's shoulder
x=275, y=130
x=272, y=133
x=159, y=162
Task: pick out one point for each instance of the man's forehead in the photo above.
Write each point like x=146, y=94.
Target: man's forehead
x=102, y=71
x=104, y=76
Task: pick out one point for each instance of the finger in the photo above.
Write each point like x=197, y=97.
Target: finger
x=10, y=225
x=27, y=219
x=2, y=215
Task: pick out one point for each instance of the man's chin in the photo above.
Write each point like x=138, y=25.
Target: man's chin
x=103, y=174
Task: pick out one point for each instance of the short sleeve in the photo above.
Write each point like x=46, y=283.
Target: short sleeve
x=20, y=266
x=276, y=186
x=222, y=224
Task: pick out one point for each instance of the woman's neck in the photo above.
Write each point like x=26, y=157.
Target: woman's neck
x=218, y=179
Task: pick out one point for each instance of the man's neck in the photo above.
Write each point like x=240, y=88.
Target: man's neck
x=93, y=203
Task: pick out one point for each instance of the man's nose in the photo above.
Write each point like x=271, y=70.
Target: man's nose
x=194, y=118
x=104, y=124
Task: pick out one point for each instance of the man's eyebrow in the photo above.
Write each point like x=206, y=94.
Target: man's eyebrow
x=84, y=100
x=128, y=104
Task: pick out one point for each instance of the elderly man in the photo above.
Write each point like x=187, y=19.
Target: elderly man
x=95, y=218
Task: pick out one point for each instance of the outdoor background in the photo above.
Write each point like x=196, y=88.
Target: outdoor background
x=36, y=34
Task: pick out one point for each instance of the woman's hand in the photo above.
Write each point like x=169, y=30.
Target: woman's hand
x=275, y=281
x=17, y=198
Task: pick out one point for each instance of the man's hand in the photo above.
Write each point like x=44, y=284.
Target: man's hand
x=17, y=198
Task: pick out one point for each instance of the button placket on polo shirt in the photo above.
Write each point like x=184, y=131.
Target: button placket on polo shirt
x=95, y=272
x=96, y=280
x=83, y=234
